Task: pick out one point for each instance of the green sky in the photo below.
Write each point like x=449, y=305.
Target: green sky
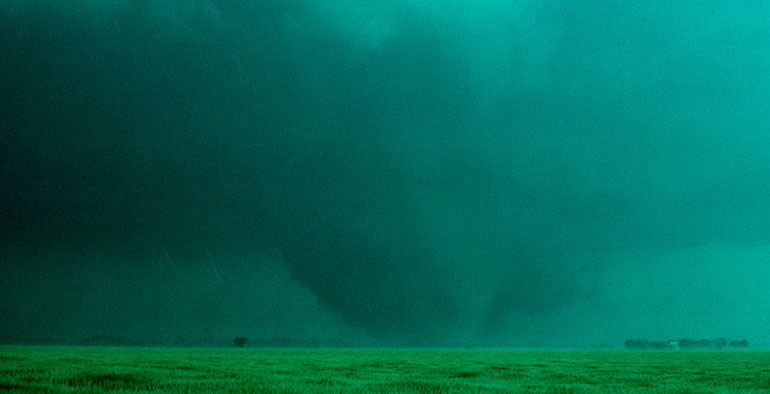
x=443, y=173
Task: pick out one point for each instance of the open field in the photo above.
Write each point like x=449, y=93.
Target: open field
x=200, y=370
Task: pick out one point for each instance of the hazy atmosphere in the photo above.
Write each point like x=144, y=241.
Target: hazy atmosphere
x=432, y=173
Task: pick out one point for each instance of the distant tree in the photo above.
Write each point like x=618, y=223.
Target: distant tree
x=105, y=340
x=739, y=344
x=703, y=344
x=240, y=341
x=179, y=341
x=686, y=343
x=637, y=343
x=719, y=343
x=661, y=345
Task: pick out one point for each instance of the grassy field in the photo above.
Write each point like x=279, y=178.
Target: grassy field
x=170, y=370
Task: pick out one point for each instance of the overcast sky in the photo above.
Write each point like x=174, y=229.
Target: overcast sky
x=437, y=172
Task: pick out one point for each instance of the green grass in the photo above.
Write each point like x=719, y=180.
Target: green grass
x=169, y=370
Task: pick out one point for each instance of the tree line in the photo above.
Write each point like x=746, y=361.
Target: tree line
x=684, y=343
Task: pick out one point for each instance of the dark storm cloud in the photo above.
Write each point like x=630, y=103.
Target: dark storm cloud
x=429, y=172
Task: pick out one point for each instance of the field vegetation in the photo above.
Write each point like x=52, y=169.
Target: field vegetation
x=250, y=370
